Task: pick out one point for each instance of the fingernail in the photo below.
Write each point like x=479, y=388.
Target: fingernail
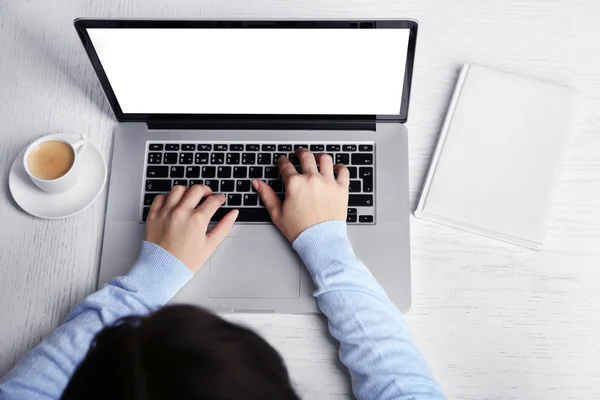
x=255, y=184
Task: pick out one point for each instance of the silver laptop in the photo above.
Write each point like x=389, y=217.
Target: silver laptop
x=218, y=102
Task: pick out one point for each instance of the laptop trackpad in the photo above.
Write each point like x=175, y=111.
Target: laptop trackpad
x=255, y=267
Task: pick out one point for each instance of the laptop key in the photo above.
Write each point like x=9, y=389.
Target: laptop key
x=349, y=147
x=294, y=159
x=284, y=147
x=252, y=147
x=234, y=199
x=155, y=158
x=172, y=146
x=192, y=172
x=217, y=158
x=149, y=198
x=180, y=182
x=300, y=146
x=157, y=171
x=201, y=158
x=240, y=172
x=196, y=182
x=353, y=172
x=233, y=158
x=365, y=147
x=264, y=159
x=208, y=172
x=205, y=147
x=227, y=185
x=365, y=172
x=224, y=172
x=250, y=199
x=248, y=158
x=354, y=186
x=255, y=172
x=213, y=184
x=186, y=158
x=177, y=172
x=271, y=172
x=334, y=147
x=170, y=158
x=243, y=186
x=317, y=147
x=360, y=200
x=276, y=185
x=351, y=218
x=342, y=158
x=352, y=211
x=365, y=218
x=253, y=214
x=155, y=146
x=221, y=147
x=158, y=185
x=236, y=147
x=145, y=213
x=188, y=147
x=362, y=159
x=276, y=157
x=268, y=147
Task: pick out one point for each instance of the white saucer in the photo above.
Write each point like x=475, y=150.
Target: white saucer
x=52, y=206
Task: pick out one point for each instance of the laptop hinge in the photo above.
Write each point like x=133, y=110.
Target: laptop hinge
x=358, y=124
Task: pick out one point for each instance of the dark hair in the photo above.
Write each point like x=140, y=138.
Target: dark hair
x=179, y=352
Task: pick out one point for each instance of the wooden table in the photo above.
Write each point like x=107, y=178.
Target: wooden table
x=495, y=321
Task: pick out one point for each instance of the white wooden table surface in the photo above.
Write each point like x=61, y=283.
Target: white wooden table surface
x=495, y=321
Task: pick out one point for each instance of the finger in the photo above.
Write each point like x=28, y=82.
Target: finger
x=343, y=176
x=286, y=169
x=220, y=231
x=325, y=165
x=270, y=199
x=211, y=205
x=157, y=205
x=307, y=161
x=194, y=195
x=174, y=198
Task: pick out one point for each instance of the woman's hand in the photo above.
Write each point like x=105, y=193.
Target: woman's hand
x=175, y=224
x=312, y=197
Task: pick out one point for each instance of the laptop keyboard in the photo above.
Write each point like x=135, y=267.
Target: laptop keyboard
x=229, y=168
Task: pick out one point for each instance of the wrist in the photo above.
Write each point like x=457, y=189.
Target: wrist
x=158, y=274
x=324, y=246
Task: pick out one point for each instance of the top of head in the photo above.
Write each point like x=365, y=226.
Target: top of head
x=267, y=68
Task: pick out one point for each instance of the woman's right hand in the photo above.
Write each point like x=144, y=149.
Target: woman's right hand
x=312, y=197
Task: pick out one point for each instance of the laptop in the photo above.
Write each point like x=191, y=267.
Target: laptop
x=218, y=102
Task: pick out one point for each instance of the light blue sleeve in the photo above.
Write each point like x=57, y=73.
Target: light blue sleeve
x=375, y=342
x=45, y=371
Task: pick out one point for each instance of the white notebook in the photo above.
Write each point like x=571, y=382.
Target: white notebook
x=498, y=160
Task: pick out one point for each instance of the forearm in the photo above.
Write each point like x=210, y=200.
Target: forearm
x=375, y=342
x=44, y=372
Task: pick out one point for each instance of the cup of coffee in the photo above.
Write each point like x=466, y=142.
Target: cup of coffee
x=53, y=163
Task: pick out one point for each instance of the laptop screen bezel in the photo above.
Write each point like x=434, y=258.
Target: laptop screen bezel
x=82, y=24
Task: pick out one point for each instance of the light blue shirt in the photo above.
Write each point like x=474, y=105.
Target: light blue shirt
x=375, y=342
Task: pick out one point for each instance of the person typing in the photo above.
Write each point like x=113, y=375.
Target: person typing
x=122, y=342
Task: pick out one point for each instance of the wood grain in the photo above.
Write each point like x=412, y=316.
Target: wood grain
x=495, y=321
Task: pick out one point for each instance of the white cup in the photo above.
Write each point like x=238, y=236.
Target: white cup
x=68, y=180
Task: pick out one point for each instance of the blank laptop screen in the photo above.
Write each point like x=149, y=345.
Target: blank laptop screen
x=254, y=71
